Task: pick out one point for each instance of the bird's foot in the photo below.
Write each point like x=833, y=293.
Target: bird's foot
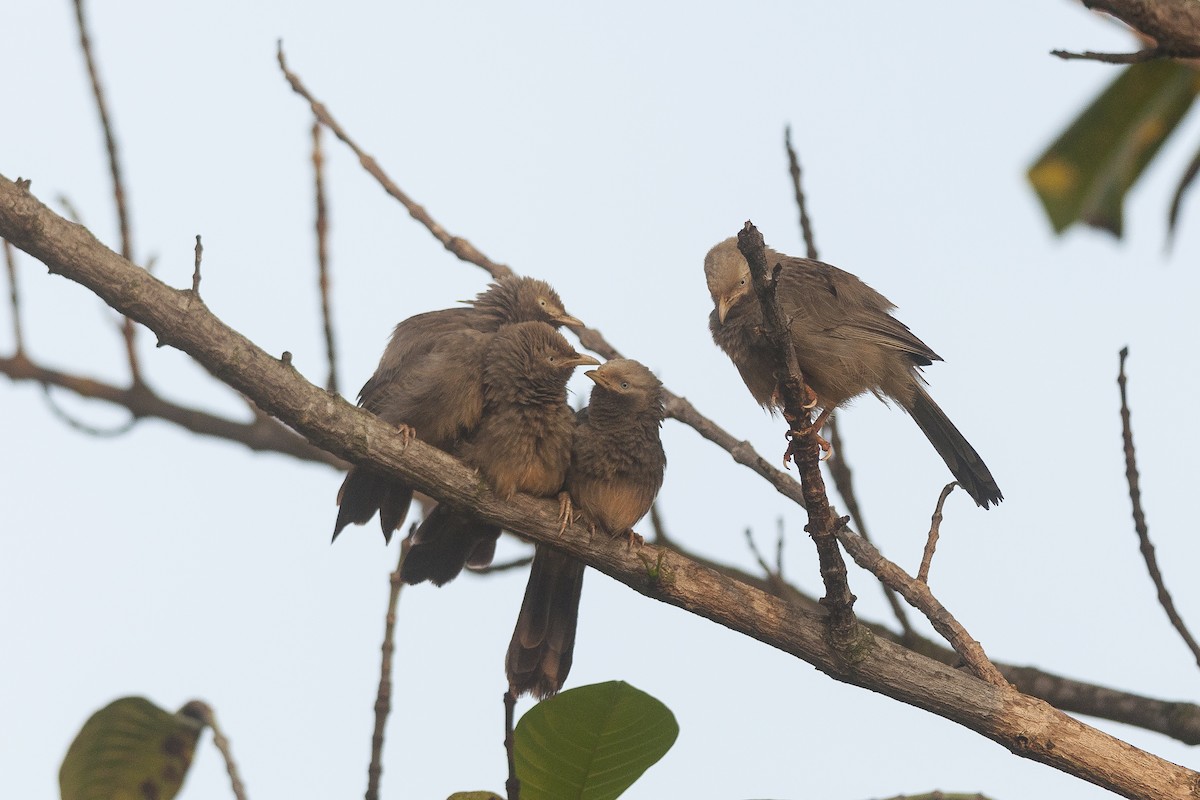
x=407, y=434
x=633, y=539
x=566, y=513
x=793, y=436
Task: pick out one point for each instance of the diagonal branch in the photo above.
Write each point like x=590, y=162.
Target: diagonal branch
x=1024, y=725
x=263, y=434
x=460, y=247
x=1139, y=520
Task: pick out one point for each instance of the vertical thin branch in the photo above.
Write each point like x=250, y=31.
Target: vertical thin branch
x=322, y=223
x=383, y=697
x=838, y=599
x=1139, y=519
x=810, y=244
x=128, y=331
x=196, y=271
x=935, y=529
x=114, y=160
x=512, y=786
x=14, y=298
x=839, y=467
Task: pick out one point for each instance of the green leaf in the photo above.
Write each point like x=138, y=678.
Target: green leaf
x=129, y=750
x=1084, y=176
x=592, y=742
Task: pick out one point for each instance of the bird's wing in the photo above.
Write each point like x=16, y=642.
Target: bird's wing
x=819, y=297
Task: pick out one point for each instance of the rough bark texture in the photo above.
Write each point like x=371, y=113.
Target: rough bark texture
x=1024, y=725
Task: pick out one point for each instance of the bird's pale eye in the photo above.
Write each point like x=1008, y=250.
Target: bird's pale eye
x=624, y=384
x=542, y=302
x=742, y=282
x=551, y=359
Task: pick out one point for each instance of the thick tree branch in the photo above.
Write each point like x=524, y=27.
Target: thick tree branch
x=1024, y=725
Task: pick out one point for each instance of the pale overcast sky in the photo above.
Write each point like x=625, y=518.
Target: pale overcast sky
x=603, y=148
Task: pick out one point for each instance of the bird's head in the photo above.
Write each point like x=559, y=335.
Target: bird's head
x=628, y=383
x=728, y=276
x=518, y=299
x=529, y=361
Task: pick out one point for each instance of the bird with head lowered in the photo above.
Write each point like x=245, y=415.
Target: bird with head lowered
x=847, y=343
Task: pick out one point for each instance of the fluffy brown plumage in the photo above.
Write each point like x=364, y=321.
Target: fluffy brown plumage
x=522, y=443
x=430, y=378
x=617, y=464
x=847, y=343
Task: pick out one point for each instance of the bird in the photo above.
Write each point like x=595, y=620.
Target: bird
x=846, y=342
x=617, y=464
x=521, y=443
x=430, y=379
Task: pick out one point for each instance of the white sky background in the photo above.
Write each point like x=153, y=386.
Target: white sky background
x=604, y=150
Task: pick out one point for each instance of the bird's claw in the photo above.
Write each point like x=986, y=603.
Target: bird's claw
x=793, y=435
x=566, y=514
x=407, y=434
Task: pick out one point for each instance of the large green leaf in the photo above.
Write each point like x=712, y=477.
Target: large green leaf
x=129, y=750
x=1084, y=176
x=591, y=742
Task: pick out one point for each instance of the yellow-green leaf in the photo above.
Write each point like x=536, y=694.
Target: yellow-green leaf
x=129, y=750
x=592, y=742
x=1085, y=175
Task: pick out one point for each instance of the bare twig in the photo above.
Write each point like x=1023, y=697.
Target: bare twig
x=460, y=247
x=322, y=225
x=501, y=566
x=1139, y=519
x=513, y=785
x=383, y=697
x=14, y=299
x=80, y=425
x=1113, y=58
x=110, y=140
x=935, y=528
x=810, y=244
x=919, y=596
x=205, y=713
x=196, y=269
x=802, y=447
x=128, y=331
x=1167, y=28
x=263, y=434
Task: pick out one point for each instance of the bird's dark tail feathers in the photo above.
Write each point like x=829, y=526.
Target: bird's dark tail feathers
x=445, y=542
x=366, y=491
x=964, y=463
x=543, y=642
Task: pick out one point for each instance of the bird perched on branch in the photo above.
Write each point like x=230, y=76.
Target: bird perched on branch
x=617, y=464
x=522, y=443
x=430, y=379
x=847, y=343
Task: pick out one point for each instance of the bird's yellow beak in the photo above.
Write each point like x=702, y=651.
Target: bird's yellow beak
x=566, y=319
x=723, y=306
x=580, y=360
